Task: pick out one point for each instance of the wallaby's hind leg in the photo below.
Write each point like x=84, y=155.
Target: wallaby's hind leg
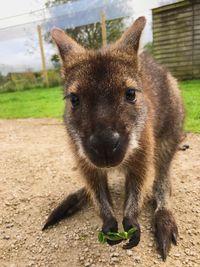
x=71, y=204
x=166, y=230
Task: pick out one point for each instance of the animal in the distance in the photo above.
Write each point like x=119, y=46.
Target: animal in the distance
x=123, y=111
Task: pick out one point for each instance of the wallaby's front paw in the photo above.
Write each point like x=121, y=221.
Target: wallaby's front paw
x=111, y=225
x=166, y=231
x=135, y=239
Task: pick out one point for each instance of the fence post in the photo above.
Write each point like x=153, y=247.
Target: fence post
x=44, y=68
x=103, y=28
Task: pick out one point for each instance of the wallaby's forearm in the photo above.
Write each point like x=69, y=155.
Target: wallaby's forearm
x=97, y=186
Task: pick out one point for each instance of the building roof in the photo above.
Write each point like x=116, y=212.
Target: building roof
x=182, y=3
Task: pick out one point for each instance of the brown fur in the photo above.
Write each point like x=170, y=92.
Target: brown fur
x=146, y=132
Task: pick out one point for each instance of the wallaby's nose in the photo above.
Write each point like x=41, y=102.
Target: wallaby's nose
x=105, y=145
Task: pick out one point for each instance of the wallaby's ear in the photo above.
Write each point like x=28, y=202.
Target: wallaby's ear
x=130, y=40
x=66, y=45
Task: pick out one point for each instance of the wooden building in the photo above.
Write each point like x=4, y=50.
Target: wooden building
x=176, y=38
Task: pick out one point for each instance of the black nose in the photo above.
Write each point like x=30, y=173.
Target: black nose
x=105, y=145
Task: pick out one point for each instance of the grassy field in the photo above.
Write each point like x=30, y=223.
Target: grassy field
x=33, y=103
x=191, y=95
x=40, y=103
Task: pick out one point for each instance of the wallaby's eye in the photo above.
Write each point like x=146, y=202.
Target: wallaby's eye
x=75, y=101
x=131, y=95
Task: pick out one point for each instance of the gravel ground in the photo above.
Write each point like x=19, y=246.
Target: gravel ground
x=37, y=171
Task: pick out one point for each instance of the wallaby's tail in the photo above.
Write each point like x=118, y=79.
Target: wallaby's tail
x=68, y=207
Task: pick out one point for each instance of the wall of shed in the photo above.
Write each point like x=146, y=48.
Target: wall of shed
x=176, y=38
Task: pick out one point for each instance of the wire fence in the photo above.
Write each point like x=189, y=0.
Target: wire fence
x=23, y=55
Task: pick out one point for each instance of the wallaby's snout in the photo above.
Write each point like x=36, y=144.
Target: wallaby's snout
x=106, y=148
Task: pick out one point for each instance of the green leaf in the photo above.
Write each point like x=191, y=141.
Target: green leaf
x=123, y=235
x=131, y=232
x=116, y=236
x=113, y=236
x=101, y=237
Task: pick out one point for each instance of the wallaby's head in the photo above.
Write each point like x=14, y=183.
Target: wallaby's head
x=106, y=107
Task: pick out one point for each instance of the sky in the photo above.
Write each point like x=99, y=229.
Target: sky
x=14, y=52
x=19, y=52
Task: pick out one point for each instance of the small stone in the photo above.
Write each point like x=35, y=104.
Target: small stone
x=137, y=259
x=82, y=258
x=115, y=254
x=192, y=253
x=87, y=264
x=129, y=253
x=86, y=250
x=6, y=237
x=189, y=232
x=187, y=251
x=9, y=225
x=114, y=259
x=31, y=263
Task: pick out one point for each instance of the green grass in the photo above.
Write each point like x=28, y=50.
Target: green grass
x=48, y=102
x=33, y=103
x=191, y=95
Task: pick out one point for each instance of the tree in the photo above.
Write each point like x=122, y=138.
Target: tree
x=50, y=3
x=2, y=79
x=149, y=47
x=90, y=35
x=55, y=61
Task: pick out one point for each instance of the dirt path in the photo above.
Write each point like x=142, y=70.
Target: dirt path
x=37, y=170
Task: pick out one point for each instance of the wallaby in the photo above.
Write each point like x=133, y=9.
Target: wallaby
x=123, y=111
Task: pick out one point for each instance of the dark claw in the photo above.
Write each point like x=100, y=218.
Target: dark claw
x=164, y=250
x=166, y=231
x=174, y=238
x=111, y=225
x=135, y=239
x=113, y=242
x=184, y=147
